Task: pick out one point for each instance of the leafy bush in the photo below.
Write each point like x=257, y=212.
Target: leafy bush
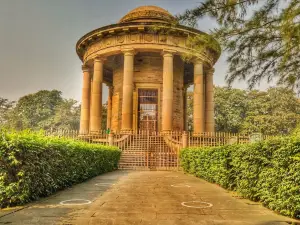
x=266, y=171
x=33, y=165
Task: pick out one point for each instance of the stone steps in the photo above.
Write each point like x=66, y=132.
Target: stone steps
x=147, y=152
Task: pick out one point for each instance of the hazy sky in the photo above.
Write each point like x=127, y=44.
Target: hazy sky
x=38, y=37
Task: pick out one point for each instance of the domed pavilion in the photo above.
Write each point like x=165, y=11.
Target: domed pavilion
x=143, y=61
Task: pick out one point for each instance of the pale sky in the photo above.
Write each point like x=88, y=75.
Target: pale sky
x=38, y=37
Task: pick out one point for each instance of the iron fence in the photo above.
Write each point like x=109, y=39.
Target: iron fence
x=145, y=150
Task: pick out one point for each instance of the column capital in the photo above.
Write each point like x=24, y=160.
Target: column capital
x=186, y=86
x=129, y=51
x=210, y=72
x=85, y=68
x=99, y=59
x=197, y=61
x=168, y=53
x=111, y=88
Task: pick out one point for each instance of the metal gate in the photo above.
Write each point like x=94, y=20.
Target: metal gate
x=148, y=151
x=147, y=109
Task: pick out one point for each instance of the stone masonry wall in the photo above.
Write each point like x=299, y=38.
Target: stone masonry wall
x=178, y=94
x=148, y=73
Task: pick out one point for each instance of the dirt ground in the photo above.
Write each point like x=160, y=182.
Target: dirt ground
x=143, y=197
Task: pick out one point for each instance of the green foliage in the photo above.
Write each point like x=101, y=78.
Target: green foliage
x=5, y=109
x=196, y=42
x=211, y=164
x=230, y=109
x=262, y=38
x=272, y=112
x=35, y=110
x=33, y=165
x=189, y=110
x=41, y=110
x=104, y=116
x=66, y=115
x=267, y=171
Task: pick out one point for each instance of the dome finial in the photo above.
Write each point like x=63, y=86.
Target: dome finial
x=148, y=13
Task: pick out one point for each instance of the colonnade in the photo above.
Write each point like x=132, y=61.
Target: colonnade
x=91, y=107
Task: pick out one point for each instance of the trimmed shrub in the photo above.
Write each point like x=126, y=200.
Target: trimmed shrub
x=33, y=165
x=267, y=171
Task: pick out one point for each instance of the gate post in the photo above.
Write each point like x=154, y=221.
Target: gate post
x=184, y=140
x=110, y=139
x=148, y=139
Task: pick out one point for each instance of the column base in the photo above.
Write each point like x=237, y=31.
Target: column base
x=84, y=132
x=198, y=134
x=126, y=131
x=166, y=131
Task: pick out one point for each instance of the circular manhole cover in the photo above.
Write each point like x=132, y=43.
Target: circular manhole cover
x=197, y=204
x=76, y=202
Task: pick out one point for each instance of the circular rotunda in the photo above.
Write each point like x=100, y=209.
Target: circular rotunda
x=147, y=61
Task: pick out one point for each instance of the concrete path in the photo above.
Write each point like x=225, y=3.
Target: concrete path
x=148, y=198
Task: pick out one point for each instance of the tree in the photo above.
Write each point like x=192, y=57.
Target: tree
x=276, y=111
x=66, y=115
x=104, y=116
x=262, y=42
x=5, y=109
x=43, y=110
x=230, y=109
x=272, y=112
x=189, y=111
x=35, y=111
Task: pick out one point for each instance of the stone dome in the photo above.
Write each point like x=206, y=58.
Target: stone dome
x=148, y=14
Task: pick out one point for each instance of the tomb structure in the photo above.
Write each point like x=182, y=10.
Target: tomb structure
x=148, y=62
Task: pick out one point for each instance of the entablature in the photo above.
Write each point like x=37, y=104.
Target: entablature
x=150, y=34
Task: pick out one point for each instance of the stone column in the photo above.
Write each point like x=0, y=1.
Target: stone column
x=85, y=101
x=127, y=90
x=198, y=97
x=96, y=99
x=167, y=107
x=209, y=102
x=185, y=118
x=109, y=108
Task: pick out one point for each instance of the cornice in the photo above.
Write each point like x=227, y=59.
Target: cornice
x=135, y=27
x=85, y=68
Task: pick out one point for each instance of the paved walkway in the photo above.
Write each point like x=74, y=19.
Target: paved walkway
x=146, y=198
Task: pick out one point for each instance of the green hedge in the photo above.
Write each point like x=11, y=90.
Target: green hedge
x=267, y=171
x=33, y=165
